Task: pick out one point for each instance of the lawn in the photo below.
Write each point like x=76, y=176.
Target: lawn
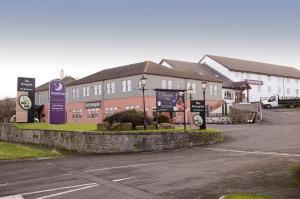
x=11, y=151
x=93, y=127
x=245, y=196
x=59, y=127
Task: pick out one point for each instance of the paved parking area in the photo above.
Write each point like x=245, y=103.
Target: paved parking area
x=253, y=158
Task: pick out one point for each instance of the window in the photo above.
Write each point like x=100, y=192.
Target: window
x=211, y=89
x=258, y=88
x=258, y=77
x=99, y=89
x=236, y=74
x=73, y=92
x=93, y=112
x=126, y=107
x=288, y=91
x=269, y=77
x=297, y=81
x=129, y=85
x=248, y=75
x=288, y=80
x=215, y=90
x=272, y=99
x=84, y=91
x=77, y=113
x=269, y=89
x=108, y=88
x=297, y=91
x=194, y=87
x=95, y=89
x=124, y=86
x=279, y=89
x=164, y=84
x=113, y=87
x=188, y=85
x=170, y=84
x=279, y=79
x=77, y=92
x=228, y=95
x=87, y=91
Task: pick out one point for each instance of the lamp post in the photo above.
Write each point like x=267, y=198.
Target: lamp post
x=190, y=91
x=204, y=84
x=143, y=81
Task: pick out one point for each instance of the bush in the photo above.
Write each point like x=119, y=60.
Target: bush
x=166, y=126
x=121, y=127
x=129, y=116
x=162, y=119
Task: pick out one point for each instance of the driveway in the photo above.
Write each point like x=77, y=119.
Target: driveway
x=253, y=158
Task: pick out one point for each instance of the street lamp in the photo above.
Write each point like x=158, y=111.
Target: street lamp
x=143, y=81
x=204, y=84
x=190, y=91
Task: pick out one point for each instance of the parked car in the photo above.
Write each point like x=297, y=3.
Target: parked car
x=13, y=119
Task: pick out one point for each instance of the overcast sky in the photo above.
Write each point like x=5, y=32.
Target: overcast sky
x=38, y=38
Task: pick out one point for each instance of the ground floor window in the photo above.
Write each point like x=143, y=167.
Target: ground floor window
x=93, y=112
x=77, y=113
x=228, y=95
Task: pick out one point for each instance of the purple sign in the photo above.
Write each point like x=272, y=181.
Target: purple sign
x=254, y=82
x=57, y=102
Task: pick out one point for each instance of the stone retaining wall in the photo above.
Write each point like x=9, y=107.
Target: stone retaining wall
x=108, y=142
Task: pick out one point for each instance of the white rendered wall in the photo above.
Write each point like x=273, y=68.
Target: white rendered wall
x=271, y=84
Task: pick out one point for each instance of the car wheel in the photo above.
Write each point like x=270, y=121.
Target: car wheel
x=269, y=106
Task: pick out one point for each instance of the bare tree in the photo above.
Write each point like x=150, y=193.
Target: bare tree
x=7, y=109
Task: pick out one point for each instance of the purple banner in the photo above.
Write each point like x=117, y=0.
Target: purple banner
x=57, y=102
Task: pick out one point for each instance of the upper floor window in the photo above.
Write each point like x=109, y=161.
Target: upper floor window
x=77, y=92
x=99, y=89
x=288, y=91
x=248, y=75
x=269, y=89
x=297, y=81
x=269, y=77
x=110, y=87
x=215, y=90
x=167, y=84
x=211, y=89
x=95, y=89
x=288, y=80
x=84, y=91
x=73, y=92
x=126, y=85
x=297, y=91
x=279, y=90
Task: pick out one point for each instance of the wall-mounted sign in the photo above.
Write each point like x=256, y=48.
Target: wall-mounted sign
x=254, y=82
x=197, y=120
x=57, y=102
x=89, y=105
x=197, y=106
x=25, y=100
x=168, y=100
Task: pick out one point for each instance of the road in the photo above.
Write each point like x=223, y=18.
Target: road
x=254, y=158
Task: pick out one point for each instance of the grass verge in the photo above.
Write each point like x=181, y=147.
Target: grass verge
x=245, y=196
x=11, y=151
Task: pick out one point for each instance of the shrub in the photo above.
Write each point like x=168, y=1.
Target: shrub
x=162, y=119
x=129, y=116
x=121, y=127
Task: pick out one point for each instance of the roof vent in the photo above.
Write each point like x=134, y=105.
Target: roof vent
x=201, y=73
x=217, y=75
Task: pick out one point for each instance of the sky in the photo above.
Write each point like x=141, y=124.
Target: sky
x=39, y=38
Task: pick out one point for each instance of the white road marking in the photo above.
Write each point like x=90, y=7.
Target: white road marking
x=2, y=185
x=13, y=197
x=120, y=167
x=255, y=152
x=70, y=191
x=48, y=190
x=122, y=179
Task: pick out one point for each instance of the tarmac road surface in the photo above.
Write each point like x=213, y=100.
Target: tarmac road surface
x=253, y=158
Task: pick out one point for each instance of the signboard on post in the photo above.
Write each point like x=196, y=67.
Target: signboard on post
x=25, y=100
x=57, y=102
x=197, y=106
x=169, y=100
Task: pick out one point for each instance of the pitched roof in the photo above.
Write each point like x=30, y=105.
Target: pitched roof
x=146, y=67
x=255, y=67
x=45, y=86
x=200, y=68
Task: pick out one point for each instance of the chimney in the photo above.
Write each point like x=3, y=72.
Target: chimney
x=62, y=74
